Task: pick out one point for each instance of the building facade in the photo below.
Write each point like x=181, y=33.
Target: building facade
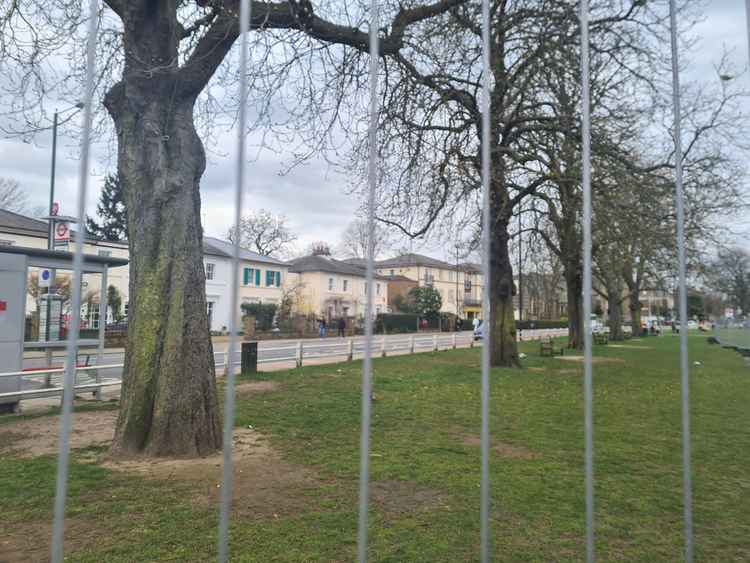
x=460, y=285
x=333, y=289
x=262, y=280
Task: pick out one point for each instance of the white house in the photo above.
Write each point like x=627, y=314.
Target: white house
x=262, y=280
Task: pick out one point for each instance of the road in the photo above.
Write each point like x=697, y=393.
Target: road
x=272, y=354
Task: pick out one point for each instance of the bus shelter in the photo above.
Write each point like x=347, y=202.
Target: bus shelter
x=34, y=311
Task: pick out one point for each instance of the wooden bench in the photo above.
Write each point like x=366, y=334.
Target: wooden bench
x=601, y=338
x=547, y=347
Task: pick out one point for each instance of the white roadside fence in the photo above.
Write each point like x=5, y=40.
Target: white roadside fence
x=89, y=377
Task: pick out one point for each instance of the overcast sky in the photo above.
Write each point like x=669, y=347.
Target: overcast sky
x=312, y=196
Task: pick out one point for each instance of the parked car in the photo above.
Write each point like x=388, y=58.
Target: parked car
x=479, y=332
x=692, y=325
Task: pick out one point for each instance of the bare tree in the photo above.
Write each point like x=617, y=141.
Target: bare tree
x=264, y=233
x=12, y=197
x=156, y=62
x=354, y=240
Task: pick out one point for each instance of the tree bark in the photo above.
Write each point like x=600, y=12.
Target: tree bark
x=169, y=404
x=614, y=319
x=574, y=288
x=635, y=311
x=504, y=351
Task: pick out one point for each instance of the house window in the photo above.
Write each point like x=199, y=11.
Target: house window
x=364, y=288
x=273, y=278
x=377, y=288
x=93, y=314
x=210, y=310
x=210, y=270
x=127, y=305
x=450, y=275
x=330, y=284
x=105, y=253
x=346, y=285
x=251, y=276
x=392, y=272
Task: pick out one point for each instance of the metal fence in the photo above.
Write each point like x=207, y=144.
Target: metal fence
x=370, y=343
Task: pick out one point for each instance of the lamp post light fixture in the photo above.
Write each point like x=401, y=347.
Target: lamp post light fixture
x=52, y=211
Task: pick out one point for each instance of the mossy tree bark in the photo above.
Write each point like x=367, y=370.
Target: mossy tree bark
x=504, y=349
x=169, y=404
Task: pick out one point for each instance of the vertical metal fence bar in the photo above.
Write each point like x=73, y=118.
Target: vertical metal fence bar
x=587, y=369
x=364, y=446
x=484, y=507
x=229, y=389
x=684, y=367
x=63, y=451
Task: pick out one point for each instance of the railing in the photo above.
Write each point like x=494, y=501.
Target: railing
x=293, y=352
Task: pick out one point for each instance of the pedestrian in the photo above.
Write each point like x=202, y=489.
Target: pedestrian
x=322, y=327
x=342, y=327
x=475, y=323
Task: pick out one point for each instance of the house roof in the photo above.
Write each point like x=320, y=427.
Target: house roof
x=471, y=267
x=64, y=255
x=225, y=249
x=327, y=264
x=398, y=277
x=412, y=259
x=12, y=220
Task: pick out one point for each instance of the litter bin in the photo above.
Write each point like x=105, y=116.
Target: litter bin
x=249, y=358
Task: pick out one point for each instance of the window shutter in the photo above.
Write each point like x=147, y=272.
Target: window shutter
x=246, y=277
x=257, y=277
x=278, y=279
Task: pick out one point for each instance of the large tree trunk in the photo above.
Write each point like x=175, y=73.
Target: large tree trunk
x=504, y=348
x=614, y=319
x=635, y=311
x=574, y=288
x=169, y=404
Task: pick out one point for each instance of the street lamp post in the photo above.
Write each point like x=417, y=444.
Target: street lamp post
x=51, y=235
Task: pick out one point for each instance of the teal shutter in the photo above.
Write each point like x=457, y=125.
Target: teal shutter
x=257, y=277
x=269, y=278
x=246, y=277
x=278, y=279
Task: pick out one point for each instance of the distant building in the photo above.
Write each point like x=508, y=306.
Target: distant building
x=460, y=285
x=19, y=230
x=334, y=288
x=262, y=280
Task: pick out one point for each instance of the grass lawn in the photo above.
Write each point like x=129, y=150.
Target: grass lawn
x=299, y=502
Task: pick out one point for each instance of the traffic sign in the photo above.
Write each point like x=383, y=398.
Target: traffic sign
x=62, y=232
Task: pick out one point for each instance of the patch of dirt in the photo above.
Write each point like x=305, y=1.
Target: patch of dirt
x=255, y=388
x=38, y=436
x=502, y=449
x=596, y=359
x=7, y=439
x=537, y=369
x=264, y=485
x=403, y=497
x=29, y=542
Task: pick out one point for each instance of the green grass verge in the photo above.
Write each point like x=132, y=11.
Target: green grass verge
x=425, y=466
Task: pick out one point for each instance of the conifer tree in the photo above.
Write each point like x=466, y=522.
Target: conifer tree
x=112, y=213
